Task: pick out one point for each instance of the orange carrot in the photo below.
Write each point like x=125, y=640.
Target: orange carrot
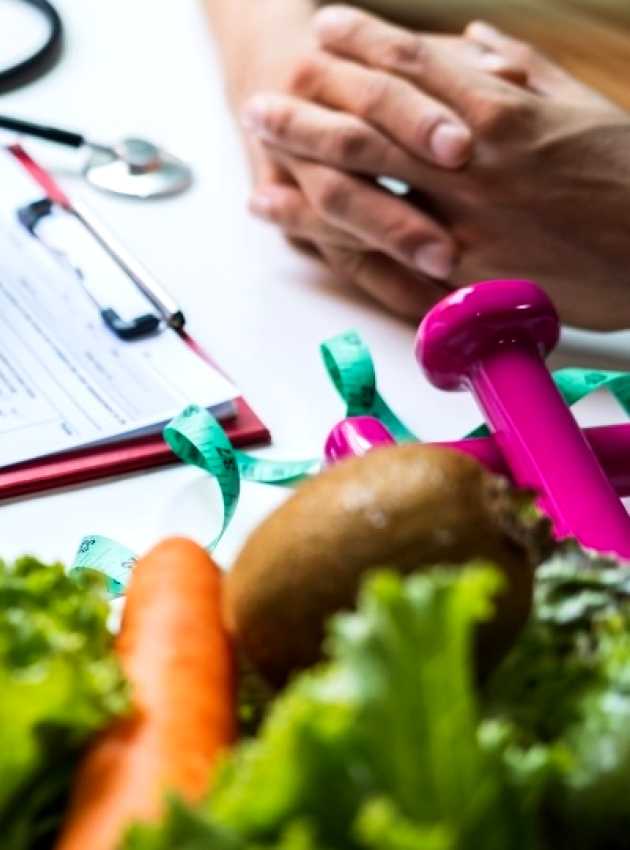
x=175, y=653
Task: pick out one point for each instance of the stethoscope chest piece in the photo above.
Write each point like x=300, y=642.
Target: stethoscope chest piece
x=137, y=168
x=132, y=167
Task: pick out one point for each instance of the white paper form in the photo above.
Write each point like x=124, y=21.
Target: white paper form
x=66, y=380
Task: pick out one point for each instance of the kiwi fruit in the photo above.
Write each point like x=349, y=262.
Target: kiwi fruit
x=409, y=507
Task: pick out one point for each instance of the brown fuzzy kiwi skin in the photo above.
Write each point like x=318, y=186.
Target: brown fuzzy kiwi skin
x=407, y=507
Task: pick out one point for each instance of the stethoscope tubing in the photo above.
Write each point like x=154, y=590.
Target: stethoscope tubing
x=43, y=59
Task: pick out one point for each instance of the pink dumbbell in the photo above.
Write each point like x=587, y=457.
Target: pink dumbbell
x=358, y=435
x=492, y=338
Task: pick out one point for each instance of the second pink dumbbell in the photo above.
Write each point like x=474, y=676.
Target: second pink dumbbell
x=358, y=435
x=492, y=339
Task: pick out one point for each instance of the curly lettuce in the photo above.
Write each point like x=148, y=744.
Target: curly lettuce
x=59, y=682
x=566, y=685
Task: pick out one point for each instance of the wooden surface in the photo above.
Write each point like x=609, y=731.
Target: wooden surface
x=591, y=38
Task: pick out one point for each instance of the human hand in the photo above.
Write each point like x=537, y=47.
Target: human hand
x=391, y=249
x=546, y=192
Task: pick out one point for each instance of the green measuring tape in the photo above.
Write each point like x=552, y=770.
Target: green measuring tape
x=115, y=561
x=198, y=440
x=349, y=364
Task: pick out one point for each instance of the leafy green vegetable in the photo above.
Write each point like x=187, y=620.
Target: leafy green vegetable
x=567, y=683
x=378, y=749
x=388, y=747
x=59, y=682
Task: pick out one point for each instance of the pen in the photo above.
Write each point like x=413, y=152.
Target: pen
x=147, y=284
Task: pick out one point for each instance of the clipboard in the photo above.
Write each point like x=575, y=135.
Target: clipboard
x=125, y=456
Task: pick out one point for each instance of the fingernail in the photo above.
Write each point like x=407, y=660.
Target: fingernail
x=333, y=21
x=261, y=205
x=435, y=259
x=481, y=30
x=254, y=114
x=450, y=144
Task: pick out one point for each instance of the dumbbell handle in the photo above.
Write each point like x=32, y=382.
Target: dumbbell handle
x=359, y=434
x=491, y=339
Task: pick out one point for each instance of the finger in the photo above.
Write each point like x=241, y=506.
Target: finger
x=288, y=208
x=380, y=220
x=425, y=127
x=263, y=169
x=543, y=75
x=480, y=56
x=309, y=249
x=427, y=64
x=401, y=292
x=335, y=138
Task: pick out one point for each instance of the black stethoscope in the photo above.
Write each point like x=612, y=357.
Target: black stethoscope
x=43, y=58
x=133, y=167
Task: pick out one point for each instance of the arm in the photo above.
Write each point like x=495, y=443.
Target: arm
x=259, y=41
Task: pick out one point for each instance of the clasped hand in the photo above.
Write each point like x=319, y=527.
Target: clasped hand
x=515, y=169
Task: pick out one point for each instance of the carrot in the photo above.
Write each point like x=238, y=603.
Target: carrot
x=176, y=655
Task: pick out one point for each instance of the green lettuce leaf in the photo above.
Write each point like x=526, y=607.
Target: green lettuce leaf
x=566, y=684
x=59, y=682
x=379, y=749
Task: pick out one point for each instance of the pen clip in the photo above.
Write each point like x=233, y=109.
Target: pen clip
x=30, y=216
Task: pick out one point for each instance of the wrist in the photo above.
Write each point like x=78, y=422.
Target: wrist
x=254, y=58
x=265, y=70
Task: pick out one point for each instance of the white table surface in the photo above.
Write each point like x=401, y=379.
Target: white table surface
x=148, y=67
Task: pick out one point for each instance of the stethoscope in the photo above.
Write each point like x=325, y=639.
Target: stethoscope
x=133, y=167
